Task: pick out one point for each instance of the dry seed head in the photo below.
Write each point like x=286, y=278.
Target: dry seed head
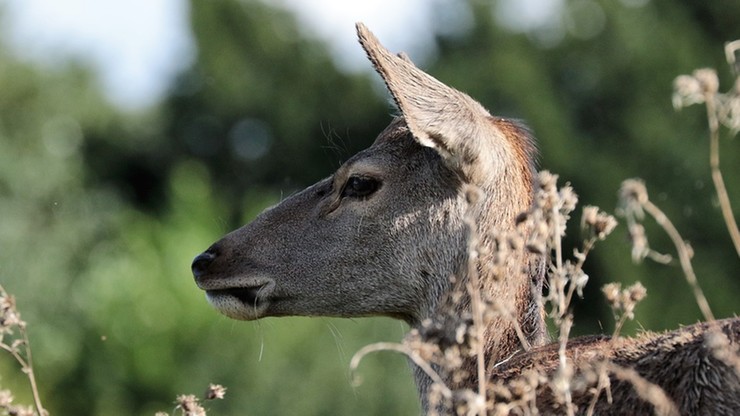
x=189, y=405
x=215, y=391
x=624, y=301
x=9, y=317
x=568, y=198
x=708, y=80
x=6, y=399
x=703, y=86
x=547, y=181
x=588, y=216
x=596, y=223
x=636, y=292
x=16, y=410
x=611, y=292
x=633, y=192
x=686, y=91
x=7, y=302
x=694, y=88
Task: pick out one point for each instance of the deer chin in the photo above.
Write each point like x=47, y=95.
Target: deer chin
x=245, y=303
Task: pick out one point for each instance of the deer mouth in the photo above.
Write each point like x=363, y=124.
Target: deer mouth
x=243, y=303
x=246, y=295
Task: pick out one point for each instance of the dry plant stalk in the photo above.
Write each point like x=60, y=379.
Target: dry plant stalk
x=723, y=350
x=645, y=389
x=634, y=202
x=703, y=87
x=18, y=346
x=548, y=217
x=473, y=196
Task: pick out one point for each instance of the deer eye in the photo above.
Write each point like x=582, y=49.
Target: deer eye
x=360, y=187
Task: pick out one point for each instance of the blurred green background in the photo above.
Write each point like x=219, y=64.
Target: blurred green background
x=102, y=208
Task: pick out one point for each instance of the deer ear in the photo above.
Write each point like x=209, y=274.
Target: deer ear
x=437, y=116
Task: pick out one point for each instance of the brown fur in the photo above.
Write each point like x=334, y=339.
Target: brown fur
x=679, y=362
x=392, y=252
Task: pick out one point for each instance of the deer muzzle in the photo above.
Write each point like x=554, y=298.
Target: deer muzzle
x=240, y=297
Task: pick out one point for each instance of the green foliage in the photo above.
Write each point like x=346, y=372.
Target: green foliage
x=264, y=105
x=102, y=212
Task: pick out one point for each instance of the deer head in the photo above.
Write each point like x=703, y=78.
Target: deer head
x=386, y=232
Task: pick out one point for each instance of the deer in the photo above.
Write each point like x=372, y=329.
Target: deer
x=388, y=234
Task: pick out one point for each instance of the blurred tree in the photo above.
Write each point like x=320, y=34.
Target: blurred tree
x=50, y=220
x=264, y=106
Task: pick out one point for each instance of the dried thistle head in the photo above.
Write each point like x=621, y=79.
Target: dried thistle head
x=696, y=88
x=547, y=181
x=702, y=86
x=636, y=293
x=10, y=318
x=189, y=405
x=548, y=197
x=6, y=399
x=16, y=410
x=597, y=224
x=708, y=81
x=8, y=408
x=214, y=392
x=686, y=91
x=623, y=301
x=632, y=196
x=519, y=395
x=550, y=212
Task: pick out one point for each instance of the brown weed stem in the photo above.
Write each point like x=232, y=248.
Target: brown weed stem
x=683, y=256
x=719, y=183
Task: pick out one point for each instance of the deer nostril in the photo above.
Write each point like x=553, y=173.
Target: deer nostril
x=201, y=263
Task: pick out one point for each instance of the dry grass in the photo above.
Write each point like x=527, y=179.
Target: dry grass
x=446, y=344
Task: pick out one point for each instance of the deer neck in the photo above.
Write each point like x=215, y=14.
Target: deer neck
x=514, y=287
x=510, y=280
x=501, y=338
